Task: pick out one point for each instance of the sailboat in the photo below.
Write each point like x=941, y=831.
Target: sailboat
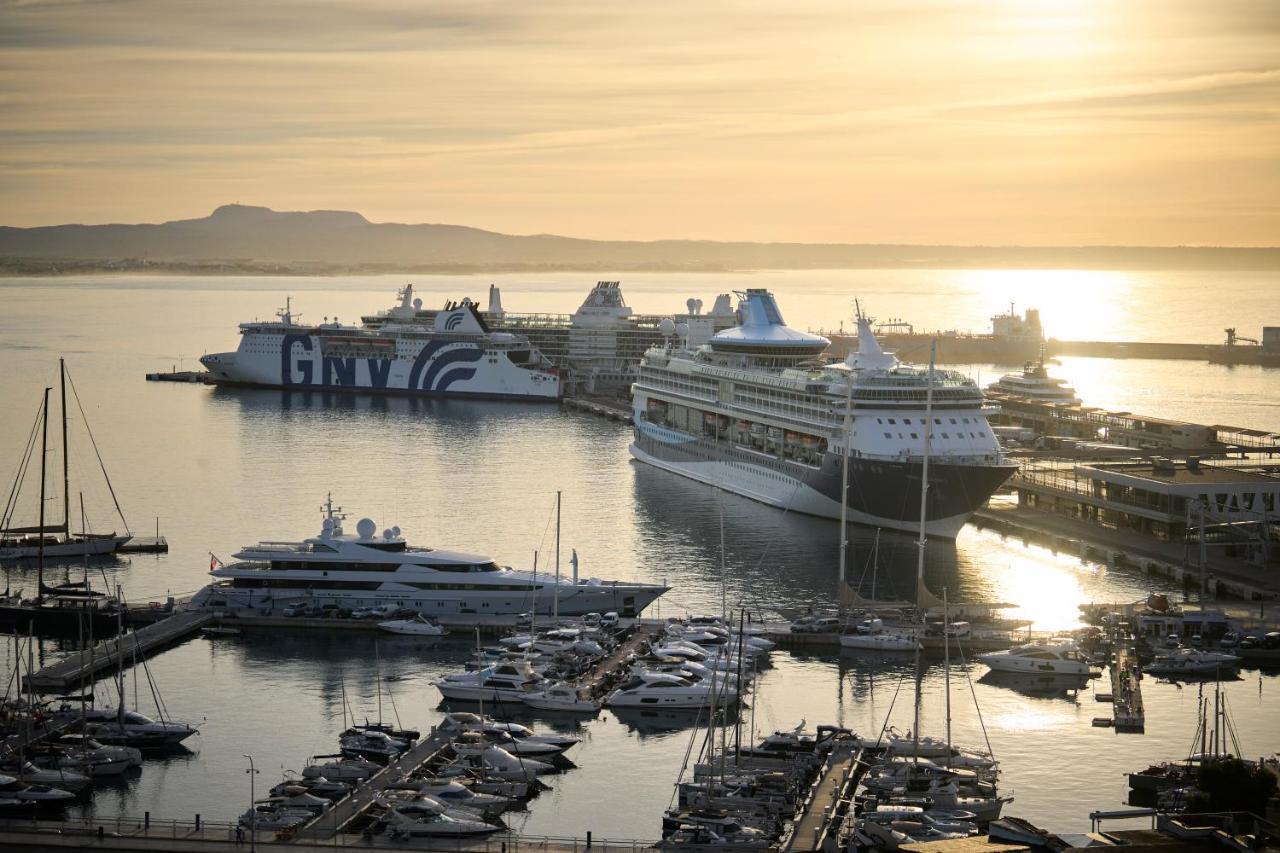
x=53, y=541
x=69, y=609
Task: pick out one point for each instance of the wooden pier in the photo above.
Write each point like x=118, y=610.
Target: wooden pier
x=60, y=676
x=1127, y=712
x=144, y=545
x=829, y=799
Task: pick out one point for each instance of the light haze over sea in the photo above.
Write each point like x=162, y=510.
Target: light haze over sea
x=225, y=467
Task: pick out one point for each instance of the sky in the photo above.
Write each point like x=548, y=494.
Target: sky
x=1032, y=122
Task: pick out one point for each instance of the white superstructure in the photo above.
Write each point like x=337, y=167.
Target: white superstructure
x=369, y=569
x=1035, y=383
x=456, y=356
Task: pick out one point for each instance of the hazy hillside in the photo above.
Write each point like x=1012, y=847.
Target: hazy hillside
x=259, y=239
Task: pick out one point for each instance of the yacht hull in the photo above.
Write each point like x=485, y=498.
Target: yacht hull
x=884, y=494
x=76, y=547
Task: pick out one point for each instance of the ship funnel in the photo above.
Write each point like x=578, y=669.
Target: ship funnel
x=495, y=301
x=869, y=354
x=723, y=306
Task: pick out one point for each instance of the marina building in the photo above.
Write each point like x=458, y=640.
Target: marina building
x=1236, y=507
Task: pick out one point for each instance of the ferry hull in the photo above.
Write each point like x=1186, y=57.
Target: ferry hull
x=440, y=369
x=882, y=494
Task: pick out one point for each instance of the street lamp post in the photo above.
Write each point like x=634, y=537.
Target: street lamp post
x=253, y=811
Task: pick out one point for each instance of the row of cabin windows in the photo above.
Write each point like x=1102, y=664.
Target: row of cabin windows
x=302, y=583
x=339, y=566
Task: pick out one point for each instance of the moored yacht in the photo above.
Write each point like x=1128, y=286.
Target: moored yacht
x=366, y=570
x=1039, y=658
x=1034, y=383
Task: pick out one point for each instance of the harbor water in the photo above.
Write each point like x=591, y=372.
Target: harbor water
x=226, y=467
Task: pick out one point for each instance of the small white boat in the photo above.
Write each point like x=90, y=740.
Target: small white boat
x=1192, y=662
x=270, y=817
x=505, y=681
x=664, y=691
x=374, y=745
x=562, y=696
x=474, y=752
x=424, y=818
x=26, y=773
x=123, y=727
x=418, y=626
x=884, y=641
x=455, y=794
x=342, y=770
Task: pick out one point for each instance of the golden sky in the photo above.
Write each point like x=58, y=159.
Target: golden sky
x=1152, y=122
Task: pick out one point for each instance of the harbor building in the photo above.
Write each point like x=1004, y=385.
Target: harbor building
x=1236, y=507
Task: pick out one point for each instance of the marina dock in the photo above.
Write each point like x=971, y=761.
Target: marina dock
x=144, y=545
x=107, y=655
x=829, y=798
x=1127, y=712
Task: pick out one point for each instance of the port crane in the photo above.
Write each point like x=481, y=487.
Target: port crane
x=1233, y=338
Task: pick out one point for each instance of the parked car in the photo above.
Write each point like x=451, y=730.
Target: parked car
x=1173, y=641
x=1229, y=640
x=1252, y=641
x=295, y=610
x=1195, y=640
x=1271, y=640
x=609, y=620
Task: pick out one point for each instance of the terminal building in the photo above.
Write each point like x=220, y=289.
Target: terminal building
x=1236, y=507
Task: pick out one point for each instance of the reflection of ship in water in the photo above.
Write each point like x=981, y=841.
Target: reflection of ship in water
x=1038, y=685
x=1013, y=339
x=599, y=346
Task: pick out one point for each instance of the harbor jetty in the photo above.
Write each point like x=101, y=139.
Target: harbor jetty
x=1127, y=712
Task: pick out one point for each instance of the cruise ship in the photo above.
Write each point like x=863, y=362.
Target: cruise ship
x=598, y=347
x=370, y=569
x=1034, y=383
x=757, y=411
x=457, y=355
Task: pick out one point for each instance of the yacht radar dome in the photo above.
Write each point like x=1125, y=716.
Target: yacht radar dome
x=366, y=528
x=667, y=326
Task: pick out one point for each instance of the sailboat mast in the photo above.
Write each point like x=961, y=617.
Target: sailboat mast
x=946, y=668
x=555, y=599
x=920, y=544
x=724, y=576
x=844, y=481
x=44, y=449
x=66, y=477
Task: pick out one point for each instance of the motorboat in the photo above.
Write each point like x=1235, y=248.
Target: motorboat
x=1192, y=662
x=475, y=753
x=24, y=795
x=562, y=696
x=454, y=794
x=317, y=787
x=1062, y=658
x=271, y=817
x=376, y=746
x=661, y=690
x=343, y=769
x=120, y=726
x=27, y=773
x=425, y=818
x=505, y=681
x=418, y=626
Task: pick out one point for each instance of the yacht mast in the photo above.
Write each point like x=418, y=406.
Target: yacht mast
x=920, y=544
x=555, y=599
x=44, y=449
x=844, y=481
x=66, y=478
x=946, y=668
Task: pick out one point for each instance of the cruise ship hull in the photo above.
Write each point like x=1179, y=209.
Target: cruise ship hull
x=883, y=494
x=440, y=369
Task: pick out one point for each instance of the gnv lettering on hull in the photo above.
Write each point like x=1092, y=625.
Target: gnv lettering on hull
x=304, y=364
x=338, y=371
x=379, y=372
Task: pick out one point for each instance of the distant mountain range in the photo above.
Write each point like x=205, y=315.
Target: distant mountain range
x=240, y=238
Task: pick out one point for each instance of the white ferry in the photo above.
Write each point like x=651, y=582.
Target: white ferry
x=756, y=411
x=457, y=356
x=368, y=570
x=1034, y=383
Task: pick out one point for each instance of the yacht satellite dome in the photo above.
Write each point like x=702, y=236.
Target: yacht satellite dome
x=667, y=326
x=395, y=531
x=366, y=527
x=417, y=305
x=328, y=524
x=682, y=329
x=386, y=534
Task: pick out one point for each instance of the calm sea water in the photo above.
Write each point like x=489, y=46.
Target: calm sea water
x=222, y=468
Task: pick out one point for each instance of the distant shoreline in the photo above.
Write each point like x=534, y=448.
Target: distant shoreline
x=53, y=268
